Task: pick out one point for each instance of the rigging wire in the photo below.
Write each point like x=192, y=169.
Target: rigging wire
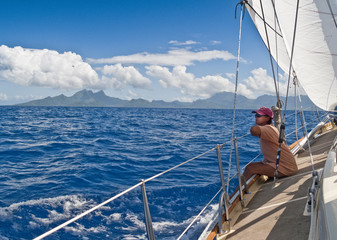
x=282, y=127
x=332, y=14
x=276, y=45
x=235, y=93
x=318, y=117
x=298, y=90
x=271, y=28
x=278, y=109
x=295, y=112
x=291, y=59
x=306, y=130
x=269, y=49
x=244, y=9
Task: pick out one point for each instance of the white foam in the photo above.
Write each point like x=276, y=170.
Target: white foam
x=79, y=229
x=33, y=225
x=115, y=217
x=171, y=226
x=64, y=207
x=134, y=219
x=53, y=210
x=133, y=237
x=73, y=201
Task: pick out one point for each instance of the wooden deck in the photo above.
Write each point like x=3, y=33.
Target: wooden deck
x=276, y=211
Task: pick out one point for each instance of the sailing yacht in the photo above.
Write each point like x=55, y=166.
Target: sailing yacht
x=301, y=38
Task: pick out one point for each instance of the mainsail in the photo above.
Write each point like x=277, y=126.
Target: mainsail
x=315, y=50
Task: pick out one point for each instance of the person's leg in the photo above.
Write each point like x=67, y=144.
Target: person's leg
x=261, y=169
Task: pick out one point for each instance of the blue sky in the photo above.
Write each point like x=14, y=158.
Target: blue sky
x=162, y=50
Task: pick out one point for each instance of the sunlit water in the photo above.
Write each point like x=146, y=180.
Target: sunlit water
x=57, y=162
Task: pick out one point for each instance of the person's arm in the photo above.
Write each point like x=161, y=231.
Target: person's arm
x=255, y=131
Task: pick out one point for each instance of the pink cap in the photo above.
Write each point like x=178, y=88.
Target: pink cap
x=264, y=111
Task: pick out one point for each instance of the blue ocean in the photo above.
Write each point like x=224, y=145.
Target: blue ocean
x=57, y=162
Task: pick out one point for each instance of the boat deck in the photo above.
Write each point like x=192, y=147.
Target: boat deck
x=276, y=211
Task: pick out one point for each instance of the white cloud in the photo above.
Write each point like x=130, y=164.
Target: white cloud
x=8, y=99
x=245, y=91
x=46, y=68
x=230, y=75
x=123, y=76
x=174, y=57
x=184, y=99
x=215, y=42
x=188, y=42
x=133, y=94
x=261, y=83
x=187, y=83
x=27, y=98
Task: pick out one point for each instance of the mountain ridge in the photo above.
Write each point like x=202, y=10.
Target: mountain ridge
x=223, y=100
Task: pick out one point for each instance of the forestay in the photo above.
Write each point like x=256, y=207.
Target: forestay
x=315, y=50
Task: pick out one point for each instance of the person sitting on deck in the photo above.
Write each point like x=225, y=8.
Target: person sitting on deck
x=269, y=144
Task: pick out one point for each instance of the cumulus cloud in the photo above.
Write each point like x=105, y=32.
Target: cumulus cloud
x=174, y=57
x=188, y=84
x=46, y=68
x=261, y=83
x=123, y=76
x=188, y=42
x=245, y=91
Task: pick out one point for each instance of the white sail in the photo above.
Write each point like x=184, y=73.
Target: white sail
x=315, y=50
x=276, y=43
